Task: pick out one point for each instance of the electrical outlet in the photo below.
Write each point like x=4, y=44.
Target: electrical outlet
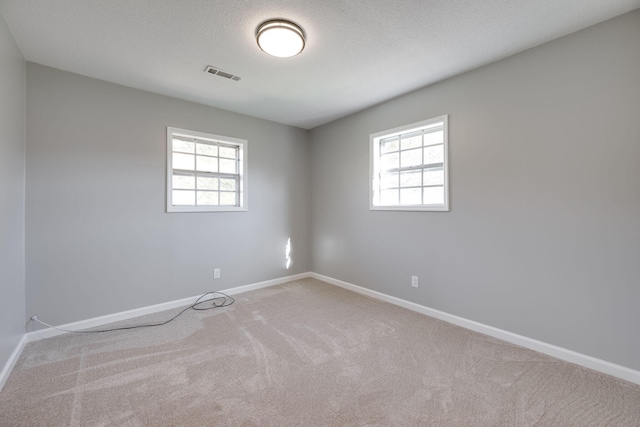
x=216, y=273
x=414, y=281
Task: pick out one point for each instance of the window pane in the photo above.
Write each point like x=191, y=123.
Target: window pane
x=207, y=164
x=434, y=138
x=434, y=176
x=434, y=154
x=389, y=161
x=411, y=178
x=228, y=152
x=411, y=158
x=227, y=184
x=182, y=197
x=183, y=146
x=207, y=149
x=389, y=197
x=410, y=196
x=227, y=166
x=207, y=183
x=389, y=180
x=183, y=161
x=412, y=142
x=208, y=198
x=388, y=146
x=205, y=172
x=434, y=196
x=183, y=181
x=408, y=168
x=227, y=199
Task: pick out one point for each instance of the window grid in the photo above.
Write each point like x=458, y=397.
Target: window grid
x=409, y=167
x=215, y=197
x=197, y=189
x=422, y=167
x=204, y=174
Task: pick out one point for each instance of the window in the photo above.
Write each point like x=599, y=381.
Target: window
x=205, y=173
x=409, y=168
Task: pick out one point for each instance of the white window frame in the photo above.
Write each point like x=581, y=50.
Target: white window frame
x=375, y=167
x=242, y=145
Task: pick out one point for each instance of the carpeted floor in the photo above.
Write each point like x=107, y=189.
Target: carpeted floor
x=304, y=354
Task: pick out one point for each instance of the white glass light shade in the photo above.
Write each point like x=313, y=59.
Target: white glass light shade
x=280, y=38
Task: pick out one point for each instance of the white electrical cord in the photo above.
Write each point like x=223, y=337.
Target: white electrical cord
x=35, y=319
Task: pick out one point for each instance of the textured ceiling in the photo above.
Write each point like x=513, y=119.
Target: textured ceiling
x=358, y=52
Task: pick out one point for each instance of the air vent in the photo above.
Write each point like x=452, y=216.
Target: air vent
x=217, y=72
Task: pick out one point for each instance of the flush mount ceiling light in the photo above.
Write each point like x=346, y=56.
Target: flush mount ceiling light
x=280, y=38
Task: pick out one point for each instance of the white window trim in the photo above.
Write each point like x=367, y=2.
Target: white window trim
x=374, y=158
x=243, y=143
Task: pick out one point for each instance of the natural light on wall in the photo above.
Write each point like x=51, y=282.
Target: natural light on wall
x=287, y=253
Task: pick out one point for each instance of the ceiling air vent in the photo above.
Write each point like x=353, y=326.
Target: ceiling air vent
x=217, y=72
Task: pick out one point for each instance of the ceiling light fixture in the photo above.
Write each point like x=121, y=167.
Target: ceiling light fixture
x=280, y=38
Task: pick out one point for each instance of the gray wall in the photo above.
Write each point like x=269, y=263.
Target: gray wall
x=543, y=238
x=98, y=238
x=12, y=282
x=544, y=234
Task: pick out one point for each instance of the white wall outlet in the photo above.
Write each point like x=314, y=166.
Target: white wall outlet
x=414, y=281
x=216, y=273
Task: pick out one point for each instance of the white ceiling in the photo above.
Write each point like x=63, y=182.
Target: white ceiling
x=358, y=52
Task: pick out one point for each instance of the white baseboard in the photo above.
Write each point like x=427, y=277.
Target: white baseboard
x=13, y=359
x=599, y=365
x=542, y=347
x=267, y=283
x=125, y=315
x=129, y=314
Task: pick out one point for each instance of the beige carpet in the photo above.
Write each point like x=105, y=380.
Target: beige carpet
x=305, y=354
